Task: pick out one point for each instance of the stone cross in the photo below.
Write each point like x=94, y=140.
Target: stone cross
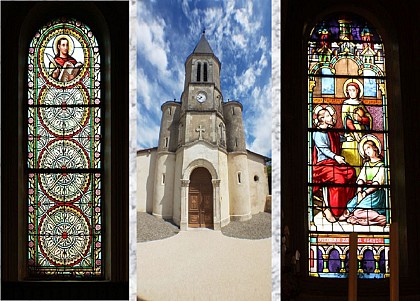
x=200, y=130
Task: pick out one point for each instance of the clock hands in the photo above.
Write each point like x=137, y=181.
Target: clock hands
x=201, y=97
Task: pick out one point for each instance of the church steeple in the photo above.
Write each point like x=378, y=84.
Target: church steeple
x=201, y=101
x=203, y=46
x=202, y=65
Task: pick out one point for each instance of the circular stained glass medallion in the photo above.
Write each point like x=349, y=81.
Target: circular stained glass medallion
x=64, y=56
x=63, y=154
x=64, y=235
x=64, y=186
x=64, y=113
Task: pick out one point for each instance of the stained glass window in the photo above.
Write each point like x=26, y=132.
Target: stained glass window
x=64, y=169
x=348, y=161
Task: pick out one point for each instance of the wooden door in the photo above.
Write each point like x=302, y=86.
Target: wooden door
x=200, y=199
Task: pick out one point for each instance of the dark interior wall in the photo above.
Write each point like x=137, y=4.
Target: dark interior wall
x=399, y=24
x=112, y=31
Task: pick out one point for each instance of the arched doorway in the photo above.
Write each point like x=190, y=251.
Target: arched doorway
x=200, y=199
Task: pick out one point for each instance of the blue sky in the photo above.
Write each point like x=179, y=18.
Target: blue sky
x=239, y=32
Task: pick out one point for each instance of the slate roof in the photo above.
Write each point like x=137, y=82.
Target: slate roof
x=203, y=46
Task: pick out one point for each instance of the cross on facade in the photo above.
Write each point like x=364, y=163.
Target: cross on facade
x=200, y=130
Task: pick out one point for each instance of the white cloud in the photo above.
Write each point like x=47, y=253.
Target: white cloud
x=185, y=6
x=230, y=6
x=151, y=40
x=244, y=15
x=262, y=62
x=239, y=40
x=262, y=43
x=247, y=80
x=150, y=96
x=258, y=120
x=160, y=75
x=143, y=89
x=148, y=138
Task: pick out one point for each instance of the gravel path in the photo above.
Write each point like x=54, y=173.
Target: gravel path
x=151, y=228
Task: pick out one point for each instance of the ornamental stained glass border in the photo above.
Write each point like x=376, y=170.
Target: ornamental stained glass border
x=64, y=153
x=348, y=156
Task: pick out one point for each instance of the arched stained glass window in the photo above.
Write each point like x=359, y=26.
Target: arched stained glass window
x=348, y=161
x=64, y=169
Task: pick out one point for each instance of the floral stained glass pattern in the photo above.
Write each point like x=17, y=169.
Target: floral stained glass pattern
x=348, y=161
x=64, y=153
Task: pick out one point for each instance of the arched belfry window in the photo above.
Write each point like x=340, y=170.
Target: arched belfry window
x=205, y=72
x=348, y=156
x=64, y=152
x=198, y=71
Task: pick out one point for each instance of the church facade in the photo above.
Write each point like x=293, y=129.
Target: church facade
x=201, y=173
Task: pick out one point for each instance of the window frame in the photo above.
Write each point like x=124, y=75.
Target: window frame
x=90, y=170
x=294, y=121
x=33, y=15
x=313, y=76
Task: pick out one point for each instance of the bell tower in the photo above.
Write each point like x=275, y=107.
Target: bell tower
x=201, y=109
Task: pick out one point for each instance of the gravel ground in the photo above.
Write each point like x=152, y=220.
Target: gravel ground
x=258, y=227
x=150, y=227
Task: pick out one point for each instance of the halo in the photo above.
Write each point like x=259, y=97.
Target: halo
x=364, y=139
x=353, y=80
x=319, y=108
x=69, y=38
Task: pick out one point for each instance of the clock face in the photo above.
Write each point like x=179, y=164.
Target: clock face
x=201, y=97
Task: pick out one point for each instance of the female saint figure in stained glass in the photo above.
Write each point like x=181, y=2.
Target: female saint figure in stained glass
x=367, y=207
x=355, y=118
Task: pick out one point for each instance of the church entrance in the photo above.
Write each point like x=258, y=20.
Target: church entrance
x=200, y=199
